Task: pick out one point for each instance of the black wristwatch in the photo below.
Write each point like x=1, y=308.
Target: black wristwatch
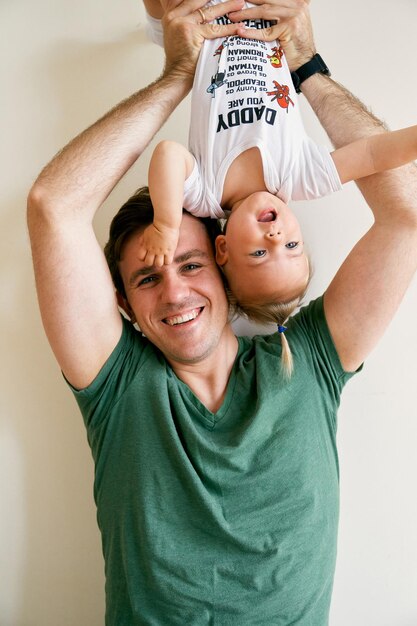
x=316, y=65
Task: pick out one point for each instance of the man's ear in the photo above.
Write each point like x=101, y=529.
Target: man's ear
x=124, y=304
x=221, y=250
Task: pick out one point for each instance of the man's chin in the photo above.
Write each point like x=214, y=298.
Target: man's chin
x=189, y=352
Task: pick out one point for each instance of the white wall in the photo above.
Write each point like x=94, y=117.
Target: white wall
x=64, y=63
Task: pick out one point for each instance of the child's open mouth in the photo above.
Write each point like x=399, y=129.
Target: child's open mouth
x=268, y=215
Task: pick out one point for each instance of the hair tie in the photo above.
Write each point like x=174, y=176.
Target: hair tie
x=281, y=329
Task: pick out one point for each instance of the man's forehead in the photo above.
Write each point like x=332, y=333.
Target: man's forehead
x=193, y=235
x=191, y=224
x=195, y=254
x=193, y=243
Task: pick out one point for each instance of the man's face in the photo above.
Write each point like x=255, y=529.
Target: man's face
x=182, y=307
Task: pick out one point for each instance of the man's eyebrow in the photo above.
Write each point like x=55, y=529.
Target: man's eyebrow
x=186, y=256
x=181, y=258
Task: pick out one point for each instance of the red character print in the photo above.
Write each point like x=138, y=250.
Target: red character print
x=276, y=56
x=280, y=94
x=222, y=46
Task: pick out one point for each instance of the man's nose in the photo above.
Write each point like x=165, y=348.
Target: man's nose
x=174, y=288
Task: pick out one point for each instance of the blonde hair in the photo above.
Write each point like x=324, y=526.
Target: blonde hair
x=276, y=313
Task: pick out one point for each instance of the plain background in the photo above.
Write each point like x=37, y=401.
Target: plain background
x=64, y=63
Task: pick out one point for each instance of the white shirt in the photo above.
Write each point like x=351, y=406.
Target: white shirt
x=243, y=97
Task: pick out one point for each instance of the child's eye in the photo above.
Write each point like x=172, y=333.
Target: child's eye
x=258, y=253
x=291, y=245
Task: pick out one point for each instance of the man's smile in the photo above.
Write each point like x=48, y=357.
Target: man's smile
x=174, y=320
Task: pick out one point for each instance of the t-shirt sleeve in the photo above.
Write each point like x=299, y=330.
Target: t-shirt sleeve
x=154, y=30
x=313, y=175
x=309, y=333
x=124, y=363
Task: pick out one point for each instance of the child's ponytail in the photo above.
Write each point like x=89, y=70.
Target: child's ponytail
x=286, y=355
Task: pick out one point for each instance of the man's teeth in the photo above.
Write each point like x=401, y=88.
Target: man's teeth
x=180, y=319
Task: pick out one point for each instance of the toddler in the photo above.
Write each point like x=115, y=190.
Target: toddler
x=249, y=156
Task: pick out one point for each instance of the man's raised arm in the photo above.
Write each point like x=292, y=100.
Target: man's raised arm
x=75, y=291
x=370, y=285
x=368, y=288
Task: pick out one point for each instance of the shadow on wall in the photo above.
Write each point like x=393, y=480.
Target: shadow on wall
x=53, y=554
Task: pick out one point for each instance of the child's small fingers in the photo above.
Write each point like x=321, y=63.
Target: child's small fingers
x=149, y=258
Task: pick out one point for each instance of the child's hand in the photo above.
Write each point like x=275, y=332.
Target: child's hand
x=158, y=245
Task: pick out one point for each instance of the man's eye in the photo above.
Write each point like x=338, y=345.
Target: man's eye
x=146, y=281
x=191, y=266
x=258, y=253
x=291, y=245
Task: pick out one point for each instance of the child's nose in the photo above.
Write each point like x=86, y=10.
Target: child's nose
x=273, y=234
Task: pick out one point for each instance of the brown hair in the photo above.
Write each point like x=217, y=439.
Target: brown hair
x=135, y=215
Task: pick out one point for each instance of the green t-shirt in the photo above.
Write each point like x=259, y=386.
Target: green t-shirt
x=218, y=519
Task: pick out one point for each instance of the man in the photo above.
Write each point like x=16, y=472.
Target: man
x=216, y=480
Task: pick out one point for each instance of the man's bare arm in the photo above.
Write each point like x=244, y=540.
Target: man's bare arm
x=75, y=291
x=368, y=288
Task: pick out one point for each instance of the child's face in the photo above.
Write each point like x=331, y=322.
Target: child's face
x=262, y=251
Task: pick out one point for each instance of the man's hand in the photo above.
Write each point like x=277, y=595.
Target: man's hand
x=293, y=27
x=185, y=32
x=158, y=245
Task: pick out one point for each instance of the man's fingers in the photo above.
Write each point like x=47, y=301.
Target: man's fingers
x=264, y=11
x=221, y=9
x=189, y=7
x=215, y=31
x=292, y=7
x=264, y=34
x=272, y=10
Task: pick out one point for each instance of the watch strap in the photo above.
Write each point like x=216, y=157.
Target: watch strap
x=316, y=65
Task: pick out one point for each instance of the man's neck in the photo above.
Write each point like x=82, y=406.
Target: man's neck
x=208, y=378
